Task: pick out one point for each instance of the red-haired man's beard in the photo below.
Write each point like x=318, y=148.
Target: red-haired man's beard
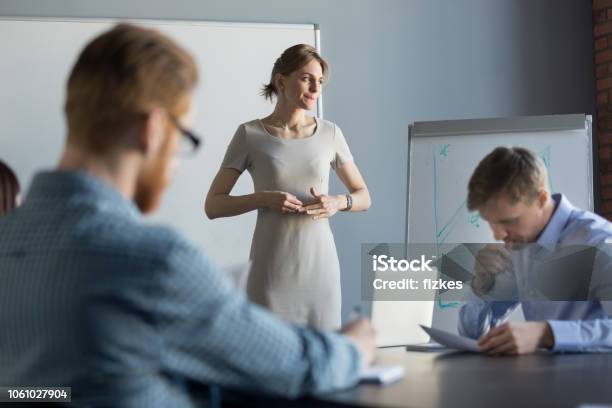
x=151, y=185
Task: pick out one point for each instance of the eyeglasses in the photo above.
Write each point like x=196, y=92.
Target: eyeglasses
x=194, y=141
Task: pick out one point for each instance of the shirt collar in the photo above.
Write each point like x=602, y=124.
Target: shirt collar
x=79, y=186
x=550, y=236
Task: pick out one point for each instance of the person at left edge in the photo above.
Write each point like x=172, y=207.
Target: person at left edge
x=10, y=197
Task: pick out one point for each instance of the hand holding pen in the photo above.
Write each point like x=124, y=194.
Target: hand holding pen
x=361, y=332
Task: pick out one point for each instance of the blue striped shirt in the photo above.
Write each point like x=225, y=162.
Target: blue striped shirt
x=93, y=298
x=579, y=326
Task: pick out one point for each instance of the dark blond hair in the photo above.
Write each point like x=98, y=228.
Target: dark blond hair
x=123, y=74
x=292, y=59
x=515, y=172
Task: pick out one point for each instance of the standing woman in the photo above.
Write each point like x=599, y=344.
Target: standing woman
x=295, y=271
x=9, y=189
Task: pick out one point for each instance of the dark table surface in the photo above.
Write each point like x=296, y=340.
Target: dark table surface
x=472, y=380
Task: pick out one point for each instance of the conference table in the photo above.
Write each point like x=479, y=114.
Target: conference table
x=444, y=379
x=450, y=379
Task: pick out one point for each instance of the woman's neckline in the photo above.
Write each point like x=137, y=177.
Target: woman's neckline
x=316, y=131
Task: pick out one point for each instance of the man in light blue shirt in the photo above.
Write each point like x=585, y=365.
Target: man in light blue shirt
x=126, y=313
x=509, y=189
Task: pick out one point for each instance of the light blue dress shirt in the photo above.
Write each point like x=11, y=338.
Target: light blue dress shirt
x=93, y=298
x=582, y=326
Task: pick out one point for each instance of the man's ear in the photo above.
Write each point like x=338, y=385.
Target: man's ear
x=152, y=131
x=542, y=197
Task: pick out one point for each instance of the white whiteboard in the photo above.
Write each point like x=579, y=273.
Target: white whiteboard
x=234, y=59
x=443, y=156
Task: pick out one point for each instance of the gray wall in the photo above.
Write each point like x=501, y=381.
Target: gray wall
x=399, y=61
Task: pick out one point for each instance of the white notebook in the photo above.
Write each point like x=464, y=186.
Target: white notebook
x=382, y=374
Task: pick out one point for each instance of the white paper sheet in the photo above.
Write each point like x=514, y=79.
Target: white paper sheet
x=452, y=340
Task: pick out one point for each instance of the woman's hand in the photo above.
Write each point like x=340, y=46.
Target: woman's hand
x=282, y=202
x=324, y=206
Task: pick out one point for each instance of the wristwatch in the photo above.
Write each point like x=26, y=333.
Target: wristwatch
x=349, y=203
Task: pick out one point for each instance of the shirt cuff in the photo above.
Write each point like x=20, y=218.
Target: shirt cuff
x=567, y=335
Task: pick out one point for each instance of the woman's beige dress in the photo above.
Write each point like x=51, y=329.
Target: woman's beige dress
x=295, y=270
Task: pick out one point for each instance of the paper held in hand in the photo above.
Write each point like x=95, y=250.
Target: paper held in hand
x=451, y=340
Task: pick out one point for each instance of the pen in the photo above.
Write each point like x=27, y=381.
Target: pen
x=356, y=313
